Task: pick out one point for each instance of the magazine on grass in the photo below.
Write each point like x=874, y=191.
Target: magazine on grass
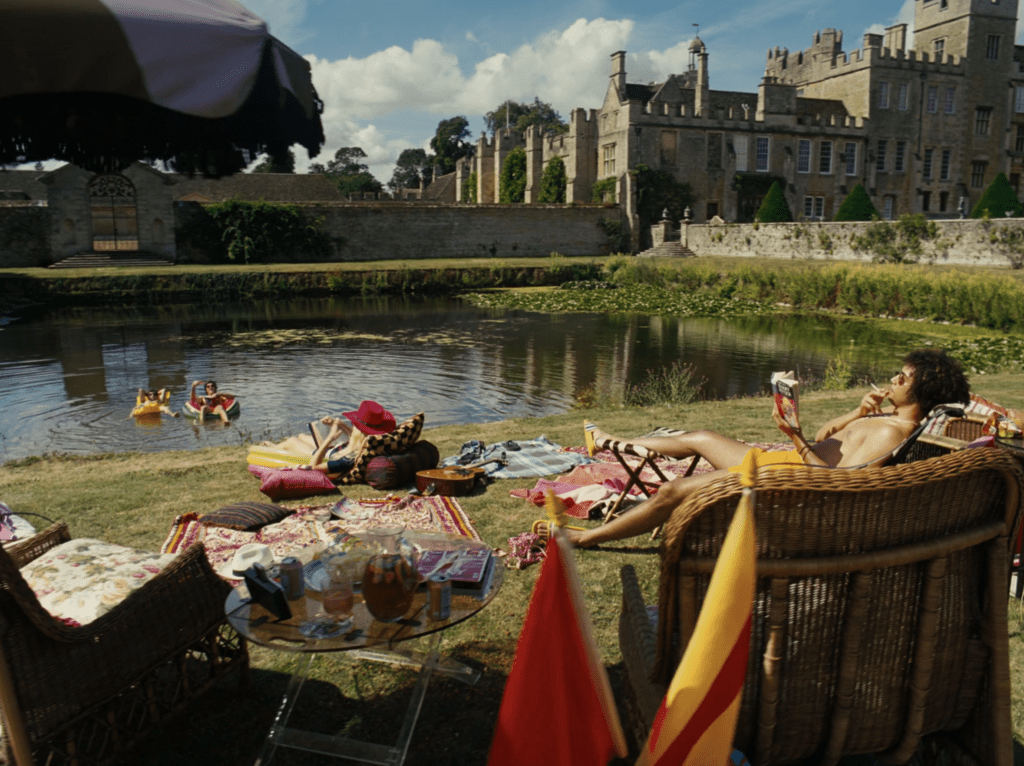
x=786, y=391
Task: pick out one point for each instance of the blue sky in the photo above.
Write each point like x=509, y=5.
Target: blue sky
x=388, y=72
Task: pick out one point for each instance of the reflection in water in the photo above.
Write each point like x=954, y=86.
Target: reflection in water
x=68, y=378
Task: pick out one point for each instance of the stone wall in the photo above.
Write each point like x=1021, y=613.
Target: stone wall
x=24, y=235
x=395, y=230
x=966, y=242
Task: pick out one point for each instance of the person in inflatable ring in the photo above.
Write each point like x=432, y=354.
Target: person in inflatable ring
x=150, y=402
x=212, y=402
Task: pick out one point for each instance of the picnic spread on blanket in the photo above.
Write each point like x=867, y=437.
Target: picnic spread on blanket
x=304, y=527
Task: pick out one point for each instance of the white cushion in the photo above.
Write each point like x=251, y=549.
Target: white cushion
x=83, y=579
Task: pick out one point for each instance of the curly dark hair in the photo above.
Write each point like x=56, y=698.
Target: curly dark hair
x=938, y=379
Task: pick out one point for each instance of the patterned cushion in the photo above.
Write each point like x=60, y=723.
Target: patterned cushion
x=82, y=579
x=394, y=443
x=291, y=483
x=246, y=516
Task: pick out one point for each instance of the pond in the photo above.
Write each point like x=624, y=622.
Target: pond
x=68, y=377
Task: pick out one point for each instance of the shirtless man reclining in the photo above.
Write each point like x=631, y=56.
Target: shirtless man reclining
x=929, y=377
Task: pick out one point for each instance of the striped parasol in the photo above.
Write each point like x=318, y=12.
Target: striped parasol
x=102, y=83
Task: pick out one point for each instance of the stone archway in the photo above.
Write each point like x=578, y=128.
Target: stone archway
x=112, y=207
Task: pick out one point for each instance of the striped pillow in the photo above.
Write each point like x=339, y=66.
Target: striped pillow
x=245, y=516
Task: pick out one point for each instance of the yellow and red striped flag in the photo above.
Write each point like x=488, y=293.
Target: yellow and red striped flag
x=696, y=722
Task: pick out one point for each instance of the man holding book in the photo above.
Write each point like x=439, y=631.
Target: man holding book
x=928, y=377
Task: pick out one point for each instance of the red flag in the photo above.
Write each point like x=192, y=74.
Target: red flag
x=557, y=707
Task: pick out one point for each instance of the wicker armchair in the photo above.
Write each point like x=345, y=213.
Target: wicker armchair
x=879, y=616
x=85, y=695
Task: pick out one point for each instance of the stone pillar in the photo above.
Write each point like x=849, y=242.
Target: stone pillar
x=534, y=163
x=619, y=72
x=485, y=180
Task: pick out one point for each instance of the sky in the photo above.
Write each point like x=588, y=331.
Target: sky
x=388, y=72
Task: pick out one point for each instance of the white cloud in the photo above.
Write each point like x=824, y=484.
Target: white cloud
x=567, y=69
x=283, y=17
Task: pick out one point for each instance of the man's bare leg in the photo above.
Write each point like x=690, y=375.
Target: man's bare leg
x=648, y=515
x=720, y=451
x=219, y=410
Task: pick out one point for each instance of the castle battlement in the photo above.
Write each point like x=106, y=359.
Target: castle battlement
x=733, y=119
x=807, y=66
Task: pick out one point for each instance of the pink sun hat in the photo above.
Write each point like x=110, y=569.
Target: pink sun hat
x=371, y=418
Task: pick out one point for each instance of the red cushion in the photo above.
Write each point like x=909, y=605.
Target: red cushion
x=283, y=483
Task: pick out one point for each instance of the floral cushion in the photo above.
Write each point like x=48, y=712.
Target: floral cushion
x=83, y=579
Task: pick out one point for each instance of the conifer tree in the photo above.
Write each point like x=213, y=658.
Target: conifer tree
x=857, y=206
x=997, y=199
x=774, y=208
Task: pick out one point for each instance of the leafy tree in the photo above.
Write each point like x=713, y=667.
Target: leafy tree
x=450, y=142
x=520, y=116
x=774, y=208
x=413, y=165
x=658, y=191
x=263, y=232
x=553, y=181
x=857, y=206
x=280, y=163
x=347, y=172
x=998, y=198
x=512, y=183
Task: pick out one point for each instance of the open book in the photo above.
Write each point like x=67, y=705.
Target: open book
x=786, y=391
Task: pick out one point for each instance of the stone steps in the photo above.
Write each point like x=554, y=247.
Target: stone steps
x=668, y=250
x=105, y=260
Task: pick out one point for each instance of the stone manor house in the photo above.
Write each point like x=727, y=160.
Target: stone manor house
x=921, y=123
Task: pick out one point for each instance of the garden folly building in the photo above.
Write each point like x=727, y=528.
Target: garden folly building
x=921, y=122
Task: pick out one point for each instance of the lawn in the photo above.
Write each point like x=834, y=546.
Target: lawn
x=133, y=498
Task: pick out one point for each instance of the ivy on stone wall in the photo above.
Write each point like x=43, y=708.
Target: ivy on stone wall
x=604, y=191
x=512, y=182
x=553, y=182
x=469, y=188
x=257, y=232
x=657, y=192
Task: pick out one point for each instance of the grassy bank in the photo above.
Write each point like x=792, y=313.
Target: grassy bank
x=982, y=297
x=133, y=498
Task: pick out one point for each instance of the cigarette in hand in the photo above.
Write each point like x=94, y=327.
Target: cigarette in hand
x=875, y=387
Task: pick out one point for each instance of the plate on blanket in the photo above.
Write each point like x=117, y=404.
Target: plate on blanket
x=315, y=575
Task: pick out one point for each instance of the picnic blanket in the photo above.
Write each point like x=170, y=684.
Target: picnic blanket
x=588, y=489
x=535, y=457
x=301, y=529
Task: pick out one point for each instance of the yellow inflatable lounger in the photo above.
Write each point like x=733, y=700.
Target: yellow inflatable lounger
x=149, y=407
x=270, y=456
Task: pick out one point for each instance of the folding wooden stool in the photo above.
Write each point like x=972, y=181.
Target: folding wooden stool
x=647, y=457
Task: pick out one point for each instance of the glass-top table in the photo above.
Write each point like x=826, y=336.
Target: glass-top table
x=366, y=639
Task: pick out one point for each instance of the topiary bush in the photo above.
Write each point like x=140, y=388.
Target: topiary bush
x=857, y=206
x=997, y=199
x=774, y=208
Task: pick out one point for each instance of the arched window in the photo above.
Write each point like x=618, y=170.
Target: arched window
x=112, y=206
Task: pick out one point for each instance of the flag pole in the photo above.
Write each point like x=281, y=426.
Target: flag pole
x=598, y=675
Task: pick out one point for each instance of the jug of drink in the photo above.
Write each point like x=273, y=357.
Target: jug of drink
x=390, y=577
